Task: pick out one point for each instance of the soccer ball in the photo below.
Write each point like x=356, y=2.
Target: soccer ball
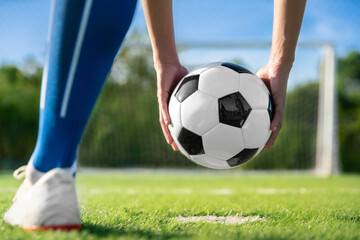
x=220, y=115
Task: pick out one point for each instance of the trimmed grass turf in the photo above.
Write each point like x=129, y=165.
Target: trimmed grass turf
x=141, y=205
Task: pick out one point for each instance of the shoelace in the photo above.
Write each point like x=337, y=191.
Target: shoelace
x=20, y=172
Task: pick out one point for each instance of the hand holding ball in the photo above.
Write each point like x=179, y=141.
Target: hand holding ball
x=220, y=115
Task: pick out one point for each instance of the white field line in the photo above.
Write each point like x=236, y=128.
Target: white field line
x=220, y=191
x=271, y=191
x=7, y=189
x=350, y=190
x=224, y=191
x=228, y=220
x=184, y=191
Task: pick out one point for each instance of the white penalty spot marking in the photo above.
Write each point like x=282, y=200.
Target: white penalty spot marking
x=228, y=220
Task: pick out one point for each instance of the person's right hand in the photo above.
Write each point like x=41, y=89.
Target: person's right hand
x=168, y=76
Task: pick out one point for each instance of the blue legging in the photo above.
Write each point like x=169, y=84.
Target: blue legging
x=84, y=38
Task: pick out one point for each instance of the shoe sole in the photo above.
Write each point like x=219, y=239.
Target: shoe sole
x=55, y=227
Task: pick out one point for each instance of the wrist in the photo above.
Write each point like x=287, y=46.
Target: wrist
x=281, y=64
x=165, y=54
x=282, y=54
x=166, y=63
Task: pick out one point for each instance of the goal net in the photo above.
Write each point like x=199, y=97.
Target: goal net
x=124, y=130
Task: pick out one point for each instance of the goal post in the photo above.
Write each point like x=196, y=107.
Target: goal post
x=327, y=160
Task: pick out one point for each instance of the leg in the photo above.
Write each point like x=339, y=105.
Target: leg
x=84, y=38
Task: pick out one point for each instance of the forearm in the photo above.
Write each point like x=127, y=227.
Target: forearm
x=288, y=15
x=159, y=19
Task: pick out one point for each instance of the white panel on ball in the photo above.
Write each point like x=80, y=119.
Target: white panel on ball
x=210, y=162
x=223, y=141
x=256, y=129
x=203, y=67
x=219, y=81
x=199, y=112
x=254, y=91
x=175, y=116
x=197, y=71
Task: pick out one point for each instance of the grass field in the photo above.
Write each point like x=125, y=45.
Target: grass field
x=143, y=205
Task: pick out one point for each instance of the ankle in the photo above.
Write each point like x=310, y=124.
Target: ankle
x=32, y=174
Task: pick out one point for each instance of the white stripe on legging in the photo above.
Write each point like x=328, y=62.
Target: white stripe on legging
x=46, y=65
x=75, y=59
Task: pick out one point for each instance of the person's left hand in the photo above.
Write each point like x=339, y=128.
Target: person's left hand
x=168, y=76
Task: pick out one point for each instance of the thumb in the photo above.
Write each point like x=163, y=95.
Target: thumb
x=264, y=75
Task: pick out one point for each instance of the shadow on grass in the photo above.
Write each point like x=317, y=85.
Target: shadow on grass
x=106, y=231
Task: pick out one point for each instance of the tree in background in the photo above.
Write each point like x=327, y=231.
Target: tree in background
x=124, y=130
x=349, y=111
x=19, y=113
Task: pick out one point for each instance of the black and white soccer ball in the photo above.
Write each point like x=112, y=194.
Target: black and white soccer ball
x=220, y=115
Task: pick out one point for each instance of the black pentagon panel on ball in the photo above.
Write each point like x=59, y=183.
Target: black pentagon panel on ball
x=233, y=110
x=188, y=86
x=235, y=67
x=242, y=157
x=271, y=109
x=191, y=142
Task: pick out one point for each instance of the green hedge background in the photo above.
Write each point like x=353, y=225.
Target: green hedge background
x=124, y=129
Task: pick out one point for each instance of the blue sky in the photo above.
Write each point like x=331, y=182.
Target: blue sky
x=24, y=27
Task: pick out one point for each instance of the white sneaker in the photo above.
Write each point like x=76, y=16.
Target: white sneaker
x=50, y=203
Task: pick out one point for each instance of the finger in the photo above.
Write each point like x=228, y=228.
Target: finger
x=275, y=127
x=166, y=132
x=173, y=145
x=263, y=75
x=276, y=122
x=163, y=103
x=272, y=139
x=166, y=116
